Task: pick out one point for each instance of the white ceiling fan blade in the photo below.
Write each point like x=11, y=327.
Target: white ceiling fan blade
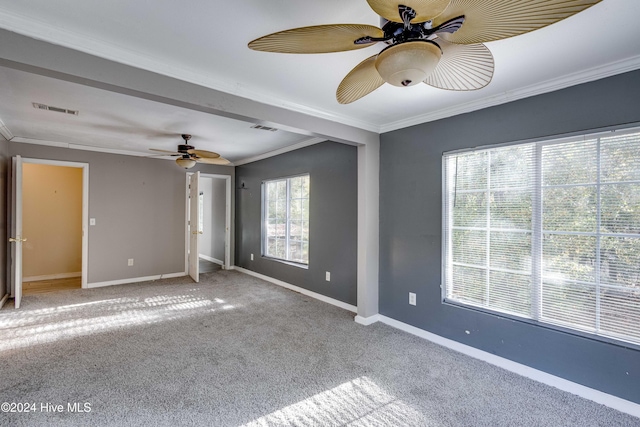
x=317, y=39
x=462, y=67
x=425, y=9
x=360, y=81
x=159, y=156
x=213, y=161
x=166, y=152
x=204, y=154
x=488, y=20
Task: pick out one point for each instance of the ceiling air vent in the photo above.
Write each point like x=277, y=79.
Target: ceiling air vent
x=56, y=109
x=263, y=128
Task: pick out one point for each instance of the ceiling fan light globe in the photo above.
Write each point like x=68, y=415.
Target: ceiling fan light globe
x=407, y=64
x=186, y=163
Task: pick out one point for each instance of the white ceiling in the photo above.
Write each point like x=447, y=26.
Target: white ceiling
x=121, y=122
x=205, y=42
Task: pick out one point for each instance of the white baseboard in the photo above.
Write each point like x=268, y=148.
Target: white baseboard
x=135, y=280
x=3, y=300
x=597, y=396
x=52, y=276
x=295, y=288
x=210, y=259
x=366, y=321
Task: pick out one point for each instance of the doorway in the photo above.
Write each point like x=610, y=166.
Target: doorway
x=207, y=230
x=49, y=216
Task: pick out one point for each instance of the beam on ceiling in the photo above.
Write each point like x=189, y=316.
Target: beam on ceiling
x=39, y=57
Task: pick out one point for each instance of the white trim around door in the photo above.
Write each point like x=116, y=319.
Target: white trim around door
x=85, y=206
x=227, y=238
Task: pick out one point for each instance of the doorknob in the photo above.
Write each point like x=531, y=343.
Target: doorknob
x=17, y=239
x=196, y=232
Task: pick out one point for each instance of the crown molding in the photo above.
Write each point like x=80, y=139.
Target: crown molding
x=585, y=76
x=21, y=140
x=283, y=150
x=49, y=33
x=5, y=132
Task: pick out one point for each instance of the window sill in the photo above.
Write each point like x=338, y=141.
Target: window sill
x=291, y=263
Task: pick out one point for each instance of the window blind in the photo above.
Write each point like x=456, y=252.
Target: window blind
x=286, y=219
x=548, y=231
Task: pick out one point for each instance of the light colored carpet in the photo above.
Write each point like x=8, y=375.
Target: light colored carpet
x=234, y=350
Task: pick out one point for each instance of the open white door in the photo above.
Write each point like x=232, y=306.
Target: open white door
x=194, y=226
x=16, y=238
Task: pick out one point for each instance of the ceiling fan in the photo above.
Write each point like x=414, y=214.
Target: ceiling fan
x=188, y=156
x=438, y=42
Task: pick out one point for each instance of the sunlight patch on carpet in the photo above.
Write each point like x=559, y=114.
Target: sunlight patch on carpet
x=24, y=328
x=357, y=402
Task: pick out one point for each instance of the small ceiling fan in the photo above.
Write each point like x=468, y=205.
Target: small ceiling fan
x=438, y=42
x=188, y=156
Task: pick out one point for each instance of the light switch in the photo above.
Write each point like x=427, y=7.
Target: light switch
x=92, y=221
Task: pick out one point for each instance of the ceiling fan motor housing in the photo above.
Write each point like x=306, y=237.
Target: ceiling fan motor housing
x=183, y=148
x=409, y=63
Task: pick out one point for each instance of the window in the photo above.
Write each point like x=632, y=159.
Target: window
x=548, y=231
x=286, y=219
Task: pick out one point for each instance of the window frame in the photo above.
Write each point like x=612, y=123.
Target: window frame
x=263, y=212
x=447, y=228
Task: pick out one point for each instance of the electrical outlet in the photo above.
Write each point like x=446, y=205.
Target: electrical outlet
x=412, y=298
x=130, y=262
x=251, y=257
x=327, y=276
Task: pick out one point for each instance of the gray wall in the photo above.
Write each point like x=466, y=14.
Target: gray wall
x=4, y=170
x=139, y=207
x=218, y=218
x=204, y=240
x=410, y=230
x=212, y=239
x=332, y=218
